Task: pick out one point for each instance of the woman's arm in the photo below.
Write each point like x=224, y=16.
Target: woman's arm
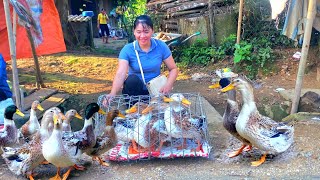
x=119, y=77
x=173, y=73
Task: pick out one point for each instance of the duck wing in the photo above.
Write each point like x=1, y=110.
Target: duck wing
x=25, y=158
x=105, y=142
x=270, y=128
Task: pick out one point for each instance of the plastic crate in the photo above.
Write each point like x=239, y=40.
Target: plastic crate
x=169, y=150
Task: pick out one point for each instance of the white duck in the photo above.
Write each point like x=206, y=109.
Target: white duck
x=124, y=127
x=69, y=116
x=179, y=122
x=49, y=117
x=58, y=152
x=33, y=125
x=261, y=131
x=230, y=116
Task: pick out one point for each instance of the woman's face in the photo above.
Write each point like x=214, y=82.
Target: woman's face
x=143, y=34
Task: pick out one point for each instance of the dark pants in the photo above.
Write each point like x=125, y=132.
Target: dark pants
x=104, y=30
x=133, y=86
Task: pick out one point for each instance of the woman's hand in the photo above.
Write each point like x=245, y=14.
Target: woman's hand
x=166, y=89
x=107, y=99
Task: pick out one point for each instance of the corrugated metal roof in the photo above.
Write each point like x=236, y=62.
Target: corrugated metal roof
x=78, y=18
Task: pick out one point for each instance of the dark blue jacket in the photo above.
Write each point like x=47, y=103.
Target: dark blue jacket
x=5, y=91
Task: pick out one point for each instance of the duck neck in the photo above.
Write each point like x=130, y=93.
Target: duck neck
x=67, y=121
x=232, y=95
x=33, y=114
x=8, y=122
x=247, y=97
x=56, y=134
x=87, y=122
x=44, y=131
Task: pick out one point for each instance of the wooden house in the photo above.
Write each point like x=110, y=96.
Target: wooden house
x=215, y=19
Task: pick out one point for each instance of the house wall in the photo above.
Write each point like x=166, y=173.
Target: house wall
x=189, y=26
x=224, y=25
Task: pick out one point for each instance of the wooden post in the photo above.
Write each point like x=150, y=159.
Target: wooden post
x=15, y=78
x=14, y=24
x=39, y=82
x=239, y=21
x=91, y=33
x=211, y=23
x=304, y=54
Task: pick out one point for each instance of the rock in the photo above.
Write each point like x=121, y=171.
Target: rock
x=275, y=112
x=309, y=102
x=198, y=76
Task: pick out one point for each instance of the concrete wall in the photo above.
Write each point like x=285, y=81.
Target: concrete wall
x=82, y=30
x=191, y=25
x=224, y=25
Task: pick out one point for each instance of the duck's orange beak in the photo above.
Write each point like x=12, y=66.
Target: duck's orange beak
x=19, y=113
x=228, y=88
x=147, y=110
x=214, y=86
x=133, y=109
x=185, y=102
x=63, y=117
x=121, y=115
x=40, y=107
x=78, y=116
x=101, y=111
x=166, y=99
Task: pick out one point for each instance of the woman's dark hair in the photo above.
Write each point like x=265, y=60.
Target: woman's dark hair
x=145, y=20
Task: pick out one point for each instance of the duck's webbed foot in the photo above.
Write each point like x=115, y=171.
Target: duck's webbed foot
x=101, y=162
x=237, y=152
x=262, y=160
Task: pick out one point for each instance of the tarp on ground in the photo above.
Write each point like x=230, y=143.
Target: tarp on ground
x=53, y=41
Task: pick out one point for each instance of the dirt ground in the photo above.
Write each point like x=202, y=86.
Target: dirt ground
x=85, y=76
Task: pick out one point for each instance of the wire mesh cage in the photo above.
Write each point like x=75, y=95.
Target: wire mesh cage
x=157, y=127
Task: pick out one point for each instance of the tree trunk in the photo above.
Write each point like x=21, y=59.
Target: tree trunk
x=63, y=10
x=39, y=80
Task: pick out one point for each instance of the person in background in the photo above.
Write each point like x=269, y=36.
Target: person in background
x=152, y=53
x=5, y=92
x=102, y=24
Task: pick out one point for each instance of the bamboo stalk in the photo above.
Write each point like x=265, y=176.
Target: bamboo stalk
x=11, y=40
x=14, y=24
x=304, y=54
x=39, y=82
x=240, y=20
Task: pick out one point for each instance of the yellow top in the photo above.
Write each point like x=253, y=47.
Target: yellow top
x=103, y=19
